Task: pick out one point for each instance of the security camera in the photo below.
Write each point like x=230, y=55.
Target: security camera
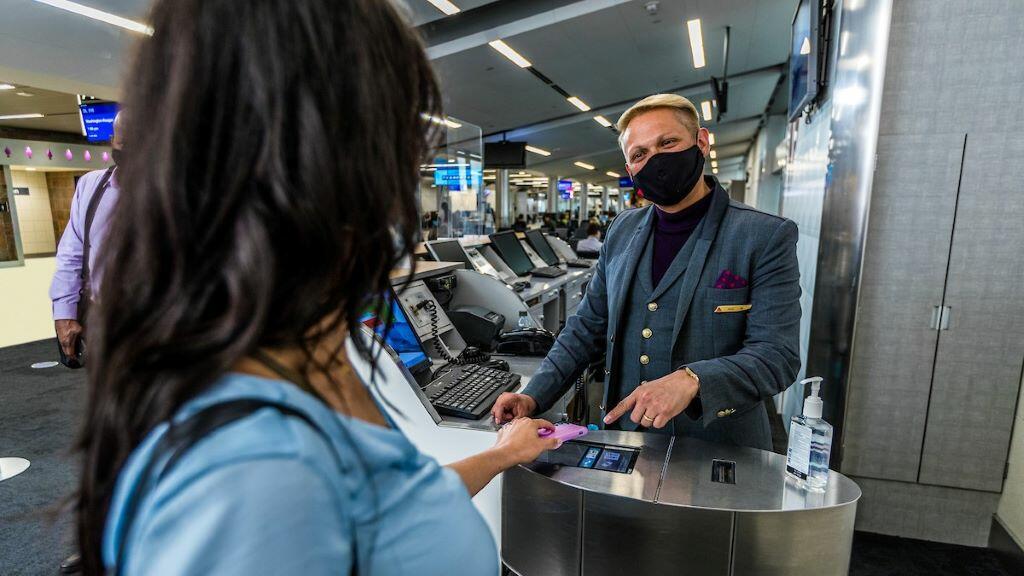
x=652, y=7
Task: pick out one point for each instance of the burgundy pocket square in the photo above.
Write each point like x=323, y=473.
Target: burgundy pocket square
x=727, y=280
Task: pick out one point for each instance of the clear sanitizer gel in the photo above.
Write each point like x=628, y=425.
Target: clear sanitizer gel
x=810, y=442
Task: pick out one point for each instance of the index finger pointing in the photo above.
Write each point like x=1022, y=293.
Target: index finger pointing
x=620, y=409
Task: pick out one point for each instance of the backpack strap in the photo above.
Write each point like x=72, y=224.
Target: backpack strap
x=182, y=436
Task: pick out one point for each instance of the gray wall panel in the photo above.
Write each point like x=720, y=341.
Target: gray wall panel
x=913, y=202
x=925, y=512
x=978, y=364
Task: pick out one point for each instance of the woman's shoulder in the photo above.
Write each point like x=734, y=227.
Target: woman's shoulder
x=282, y=423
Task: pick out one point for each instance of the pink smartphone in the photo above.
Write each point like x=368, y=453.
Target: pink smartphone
x=564, y=432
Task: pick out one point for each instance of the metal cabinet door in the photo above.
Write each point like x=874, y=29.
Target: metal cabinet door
x=912, y=207
x=979, y=356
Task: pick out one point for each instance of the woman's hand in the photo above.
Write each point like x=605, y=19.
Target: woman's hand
x=519, y=443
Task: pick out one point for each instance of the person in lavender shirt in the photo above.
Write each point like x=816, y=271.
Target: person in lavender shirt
x=73, y=280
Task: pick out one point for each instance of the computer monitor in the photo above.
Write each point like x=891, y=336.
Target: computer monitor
x=449, y=251
x=512, y=252
x=401, y=337
x=540, y=244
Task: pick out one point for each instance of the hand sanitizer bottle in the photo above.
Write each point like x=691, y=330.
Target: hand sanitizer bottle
x=810, y=443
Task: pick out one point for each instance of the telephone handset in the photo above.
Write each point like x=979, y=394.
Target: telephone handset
x=525, y=342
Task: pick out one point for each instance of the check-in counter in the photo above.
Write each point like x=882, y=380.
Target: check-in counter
x=642, y=503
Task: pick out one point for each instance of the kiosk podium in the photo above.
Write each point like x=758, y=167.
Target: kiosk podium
x=641, y=503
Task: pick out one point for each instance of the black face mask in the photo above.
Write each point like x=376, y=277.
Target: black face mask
x=669, y=177
x=117, y=155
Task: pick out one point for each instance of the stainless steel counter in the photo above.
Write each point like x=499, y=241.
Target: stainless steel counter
x=668, y=515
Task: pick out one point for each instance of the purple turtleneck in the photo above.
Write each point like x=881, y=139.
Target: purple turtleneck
x=671, y=231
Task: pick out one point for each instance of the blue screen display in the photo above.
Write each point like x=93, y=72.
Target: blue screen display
x=458, y=177
x=98, y=120
x=564, y=185
x=625, y=182
x=401, y=338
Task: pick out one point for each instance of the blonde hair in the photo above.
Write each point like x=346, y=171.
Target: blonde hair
x=684, y=109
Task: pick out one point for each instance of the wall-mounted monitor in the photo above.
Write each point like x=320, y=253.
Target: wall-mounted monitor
x=803, y=58
x=98, y=120
x=505, y=154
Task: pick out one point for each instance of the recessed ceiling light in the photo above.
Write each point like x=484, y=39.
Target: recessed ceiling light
x=452, y=123
x=714, y=163
x=100, y=15
x=584, y=165
x=696, y=42
x=603, y=121
x=509, y=53
x=7, y=86
x=714, y=154
x=536, y=150
x=613, y=174
x=714, y=170
x=20, y=116
x=705, y=108
x=711, y=138
x=578, y=103
x=25, y=94
x=445, y=6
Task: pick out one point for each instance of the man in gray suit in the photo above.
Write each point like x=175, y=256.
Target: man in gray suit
x=695, y=301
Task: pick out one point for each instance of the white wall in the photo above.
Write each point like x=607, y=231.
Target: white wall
x=26, y=313
x=34, y=217
x=1011, y=505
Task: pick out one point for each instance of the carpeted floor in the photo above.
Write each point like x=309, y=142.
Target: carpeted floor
x=39, y=416
x=40, y=412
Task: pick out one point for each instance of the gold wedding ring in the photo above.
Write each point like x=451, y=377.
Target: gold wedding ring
x=646, y=417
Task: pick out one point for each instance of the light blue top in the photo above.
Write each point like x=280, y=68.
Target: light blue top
x=265, y=495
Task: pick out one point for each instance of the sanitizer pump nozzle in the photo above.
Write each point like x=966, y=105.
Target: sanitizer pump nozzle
x=813, y=404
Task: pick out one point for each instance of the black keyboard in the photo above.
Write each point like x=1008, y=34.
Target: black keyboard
x=548, y=272
x=469, y=391
x=578, y=263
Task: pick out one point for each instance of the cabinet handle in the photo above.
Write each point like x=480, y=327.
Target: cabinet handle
x=936, y=314
x=944, y=318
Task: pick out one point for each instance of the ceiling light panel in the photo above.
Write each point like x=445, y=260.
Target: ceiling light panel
x=509, y=53
x=711, y=138
x=696, y=42
x=613, y=174
x=578, y=103
x=705, y=108
x=539, y=151
x=584, y=165
x=21, y=116
x=445, y=6
x=602, y=121
x=100, y=15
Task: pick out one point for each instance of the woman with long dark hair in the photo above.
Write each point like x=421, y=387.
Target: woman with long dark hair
x=268, y=192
